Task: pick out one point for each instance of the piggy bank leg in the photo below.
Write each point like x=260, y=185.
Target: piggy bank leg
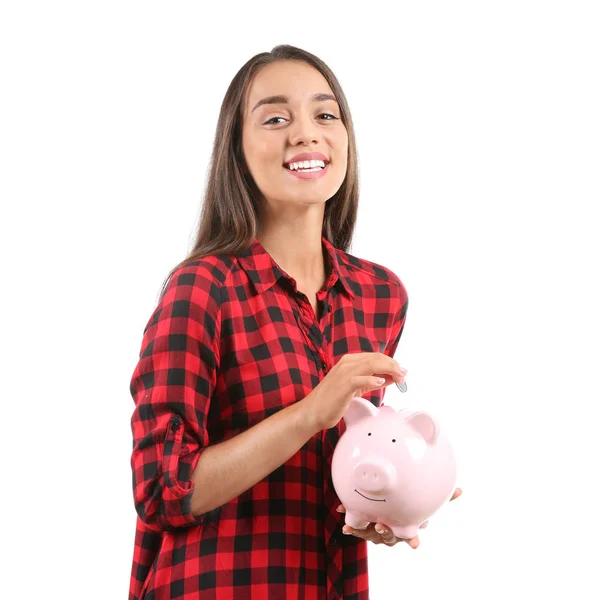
x=354, y=520
x=424, y=524
x=405, y=532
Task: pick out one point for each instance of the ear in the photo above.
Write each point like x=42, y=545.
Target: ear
x=359, y=409
x=423, y=424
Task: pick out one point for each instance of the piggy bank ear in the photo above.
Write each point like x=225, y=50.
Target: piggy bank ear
x=359, y=409
x=423, y=423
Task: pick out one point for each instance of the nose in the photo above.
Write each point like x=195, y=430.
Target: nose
x=373, y=476
x=303, y=130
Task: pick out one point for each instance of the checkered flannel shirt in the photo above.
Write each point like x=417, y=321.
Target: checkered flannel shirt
x=231, y=342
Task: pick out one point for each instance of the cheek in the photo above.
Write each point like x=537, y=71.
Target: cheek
x=339, y=151
x=265, y=160
x=339, y=141
x=258, y=149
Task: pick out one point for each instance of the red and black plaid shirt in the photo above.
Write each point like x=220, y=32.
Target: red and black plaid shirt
x=232, y=342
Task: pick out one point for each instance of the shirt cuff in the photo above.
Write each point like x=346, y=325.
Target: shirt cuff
x=173, y=490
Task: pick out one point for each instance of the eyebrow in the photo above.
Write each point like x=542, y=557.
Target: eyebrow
x=283, y=99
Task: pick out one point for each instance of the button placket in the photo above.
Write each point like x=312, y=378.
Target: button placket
x=312, y=329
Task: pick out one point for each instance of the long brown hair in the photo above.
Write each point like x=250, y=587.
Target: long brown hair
x=228, y=221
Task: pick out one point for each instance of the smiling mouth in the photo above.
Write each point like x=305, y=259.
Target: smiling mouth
x=326, y=164
x=366, y=497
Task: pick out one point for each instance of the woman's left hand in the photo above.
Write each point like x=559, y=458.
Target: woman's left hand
x=373, y=532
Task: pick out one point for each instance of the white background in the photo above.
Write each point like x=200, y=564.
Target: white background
x=475, y=126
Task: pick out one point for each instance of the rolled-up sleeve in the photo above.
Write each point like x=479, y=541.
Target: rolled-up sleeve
x=172, y=386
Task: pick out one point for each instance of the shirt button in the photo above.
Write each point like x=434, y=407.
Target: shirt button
x=324, y=365
x=333, y=541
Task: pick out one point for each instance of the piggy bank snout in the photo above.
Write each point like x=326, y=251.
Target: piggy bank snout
x=374, y=475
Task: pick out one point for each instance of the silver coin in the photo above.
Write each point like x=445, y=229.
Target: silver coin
x=402, y=386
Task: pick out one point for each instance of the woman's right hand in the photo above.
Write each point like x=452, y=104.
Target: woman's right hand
x=354, y=375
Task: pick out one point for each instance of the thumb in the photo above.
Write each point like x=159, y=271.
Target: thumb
x=367, y=383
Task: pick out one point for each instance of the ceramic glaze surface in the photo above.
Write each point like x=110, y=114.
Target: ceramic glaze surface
x=393, y=467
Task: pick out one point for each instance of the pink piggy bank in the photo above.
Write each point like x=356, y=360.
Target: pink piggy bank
x=392, y=467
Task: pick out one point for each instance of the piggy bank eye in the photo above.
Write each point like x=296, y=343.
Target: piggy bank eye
x=369, y=434
x=394, y=440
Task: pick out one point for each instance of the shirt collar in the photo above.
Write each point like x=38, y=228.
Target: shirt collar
x=262, y=269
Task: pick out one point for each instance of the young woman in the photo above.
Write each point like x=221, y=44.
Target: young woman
x=260, y=340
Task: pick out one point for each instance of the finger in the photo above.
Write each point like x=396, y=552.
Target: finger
x=413, y=542
x=390, y=539
x=386, y=535
x=397, y=373
x=394, y=377
x=350, y=531
x=381, y=365
x=363, y=384
x=340, y=508
x=365, y=534
x=456, y=494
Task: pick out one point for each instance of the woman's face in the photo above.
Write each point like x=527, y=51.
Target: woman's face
x=274, y=133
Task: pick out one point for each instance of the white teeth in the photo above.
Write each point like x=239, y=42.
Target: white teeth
x=307, y=164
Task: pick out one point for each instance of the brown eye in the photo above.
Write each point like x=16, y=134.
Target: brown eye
x=272, y=119
x=332, y=117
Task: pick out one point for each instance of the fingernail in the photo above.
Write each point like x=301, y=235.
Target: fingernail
x=381, y=531
x=346, y=532
x=380, y=380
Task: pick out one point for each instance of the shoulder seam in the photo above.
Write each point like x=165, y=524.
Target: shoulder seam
x=353, y=267
x=198, y=263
